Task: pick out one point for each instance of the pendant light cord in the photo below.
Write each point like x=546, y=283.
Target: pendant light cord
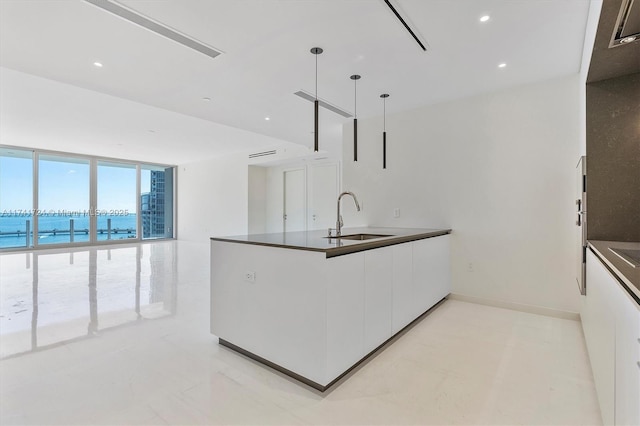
x=384, y=114
x=316, y=77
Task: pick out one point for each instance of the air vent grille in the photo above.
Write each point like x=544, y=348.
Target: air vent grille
x=156, y=27
x=262, y=154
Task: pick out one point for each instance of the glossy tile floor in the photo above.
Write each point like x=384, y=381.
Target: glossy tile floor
x=120, y=336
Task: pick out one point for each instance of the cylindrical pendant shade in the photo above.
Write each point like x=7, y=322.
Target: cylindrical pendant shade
x=384, y=97
x=315, y=126
x=355, y=139
x=384, y=150
x=355, y=78
x=316, y=51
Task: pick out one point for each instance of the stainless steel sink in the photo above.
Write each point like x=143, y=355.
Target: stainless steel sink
x=361, y=237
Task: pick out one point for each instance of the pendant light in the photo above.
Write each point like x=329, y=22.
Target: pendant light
x=316, y=51
x=384, y=97
x=355, y=79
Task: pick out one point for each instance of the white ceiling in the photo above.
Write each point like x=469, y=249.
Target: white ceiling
x=266, y=58
x=85, y=122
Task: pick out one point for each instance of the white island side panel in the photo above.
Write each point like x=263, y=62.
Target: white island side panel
x=281, y=316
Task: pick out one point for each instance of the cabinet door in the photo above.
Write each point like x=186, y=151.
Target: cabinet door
x=598, y=323
x=431, y=273
x=627, y=385
x=345, y=313
x=402, y=286
x=378, y=296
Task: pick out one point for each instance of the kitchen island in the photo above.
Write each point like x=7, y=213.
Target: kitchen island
x=314, y=307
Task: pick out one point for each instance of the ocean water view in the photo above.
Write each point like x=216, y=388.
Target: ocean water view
x=56, y=229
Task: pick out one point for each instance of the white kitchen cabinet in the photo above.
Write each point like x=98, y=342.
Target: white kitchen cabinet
x=378, y=297
x=431, y=273
x=611, y=324
x=598, y=323
x=402, y=293
x=345, y=312
x=627, y=380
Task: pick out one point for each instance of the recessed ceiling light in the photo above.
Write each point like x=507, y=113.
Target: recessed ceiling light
x=267, y=118
x=206, y=99
x=502, y=65
x=97, y=64
x=484, y=18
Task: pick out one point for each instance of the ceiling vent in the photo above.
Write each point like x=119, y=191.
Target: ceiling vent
x=627, y=29
x=323, y=104
x=262, y=154
x=158, y=28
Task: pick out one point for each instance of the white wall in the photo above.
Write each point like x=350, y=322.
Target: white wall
x=274, y=202
x=499, y=170
x=213, y=198
x=257, y=200
x=274, y=199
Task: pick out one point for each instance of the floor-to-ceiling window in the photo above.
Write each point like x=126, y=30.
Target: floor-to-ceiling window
x=63, y=199
x=52, y=199
x=16, y=198
x=117, y=211
x=156, y=201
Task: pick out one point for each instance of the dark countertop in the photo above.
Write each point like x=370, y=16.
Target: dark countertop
x=317, y=241
x=627, y=274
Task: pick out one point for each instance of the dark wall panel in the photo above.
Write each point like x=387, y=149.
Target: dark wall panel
x=613, y=159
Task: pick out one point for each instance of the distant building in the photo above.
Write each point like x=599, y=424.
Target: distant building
x=152, y=207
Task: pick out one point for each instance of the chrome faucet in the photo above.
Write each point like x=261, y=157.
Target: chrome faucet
x=339, y=221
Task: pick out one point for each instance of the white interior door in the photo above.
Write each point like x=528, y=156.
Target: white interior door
x=323, y=195
x=294, y=200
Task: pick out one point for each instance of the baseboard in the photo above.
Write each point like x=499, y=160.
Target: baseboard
x=531, y=309
x=347, y=373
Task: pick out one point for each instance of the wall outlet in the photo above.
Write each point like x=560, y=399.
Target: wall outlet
x=396, y=212
x=469, y=267
x=250, y=276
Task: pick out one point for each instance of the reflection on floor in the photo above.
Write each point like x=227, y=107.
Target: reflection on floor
x=52, y=297
x=123, y=338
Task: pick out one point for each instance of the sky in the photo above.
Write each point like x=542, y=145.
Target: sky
x=65, y=185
